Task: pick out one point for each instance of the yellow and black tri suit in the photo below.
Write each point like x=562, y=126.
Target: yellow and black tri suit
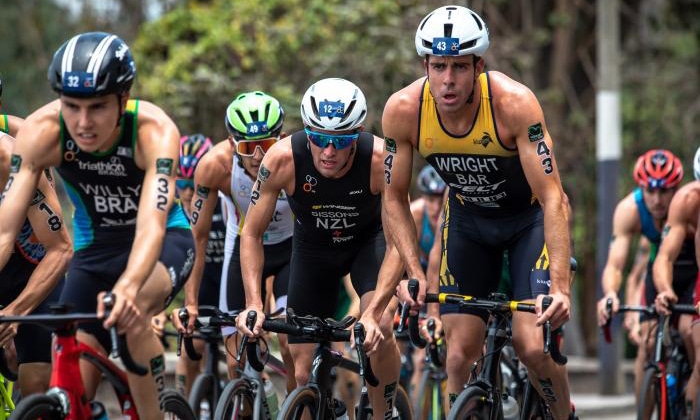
x=491, y=207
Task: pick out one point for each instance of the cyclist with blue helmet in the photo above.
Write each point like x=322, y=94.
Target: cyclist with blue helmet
x=117, y=158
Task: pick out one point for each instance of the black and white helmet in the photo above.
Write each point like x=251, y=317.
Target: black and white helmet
x=452, y=30
x=696, y=165
x=334, y=105
x=92, y=64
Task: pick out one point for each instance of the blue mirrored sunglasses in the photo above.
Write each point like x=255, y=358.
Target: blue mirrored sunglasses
x=182, y=184
x=339, y=141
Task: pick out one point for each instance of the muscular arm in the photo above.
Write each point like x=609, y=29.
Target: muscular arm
x=157, y=153
x=635, y=279
x=625, y=226
x=398, y=124
x=525, y=122
x=35, y=149
x=276, y=174
x=681, y=214
x=208, y=177
x=47, y=223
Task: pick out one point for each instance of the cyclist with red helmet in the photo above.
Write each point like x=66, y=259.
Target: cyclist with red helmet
x=657, y=173
x=677, y=261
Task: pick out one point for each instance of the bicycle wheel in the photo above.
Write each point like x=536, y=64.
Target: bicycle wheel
x=175, y=406
x=38, y=406
x=237, y=401
x=472, y=403
x=202, y=400
x=301, y=400
x=403, y=404
x=650, y=397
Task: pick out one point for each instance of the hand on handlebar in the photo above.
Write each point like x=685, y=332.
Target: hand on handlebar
x=124, y=314
x=192, y=311
x=602, y=307
x=241, y=322
x=373, y=334
x=558, y=312
x=404, y=295
x=664, y=300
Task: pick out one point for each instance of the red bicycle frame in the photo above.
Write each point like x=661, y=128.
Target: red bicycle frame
x=66, y=379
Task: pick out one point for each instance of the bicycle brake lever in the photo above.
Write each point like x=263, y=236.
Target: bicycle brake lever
x=413, y=291
x=546, y=301
x=250, y=323
x=606, y=328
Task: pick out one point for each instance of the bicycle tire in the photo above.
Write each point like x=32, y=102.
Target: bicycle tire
x=650, y=395
x=175, y=406
x=202, y=390
x=237, y=401
x=472, y=403
x=38, y=406
x=402, y=403
x=297, y=401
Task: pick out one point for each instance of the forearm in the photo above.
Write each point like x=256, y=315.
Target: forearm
x=43, y=280
x=402, y=232
x=663, y=273
x=252, y=261
x=557, y=239
x=389, y=277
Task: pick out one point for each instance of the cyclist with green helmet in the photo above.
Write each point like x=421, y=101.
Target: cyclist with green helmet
x=254, y=121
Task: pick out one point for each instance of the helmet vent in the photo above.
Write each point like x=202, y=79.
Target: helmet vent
x=240, y=115
x=267, y=111
x=448, y=30
x=478, y=21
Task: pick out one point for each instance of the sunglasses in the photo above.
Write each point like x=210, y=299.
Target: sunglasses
x=182, y=184
x=339, y=141
x=248, y=147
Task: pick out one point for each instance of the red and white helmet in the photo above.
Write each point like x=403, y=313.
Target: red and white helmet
x=658, y=168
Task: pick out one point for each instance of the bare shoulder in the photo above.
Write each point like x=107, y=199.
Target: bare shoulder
x=214, y=169
x=401, y=112
x=39, y=134
x=279, y=161
x=6, y=144
x=515, y=105
x=151, y=116
x=687, y=201
x=627, y=216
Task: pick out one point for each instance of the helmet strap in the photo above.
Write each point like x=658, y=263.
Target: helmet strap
x=470, y=100
x=350, y=157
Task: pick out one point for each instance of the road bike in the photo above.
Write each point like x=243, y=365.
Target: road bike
x=315, y=399
x=666, y=374
x=66, y=397
x=240, y=398
x=483, y=396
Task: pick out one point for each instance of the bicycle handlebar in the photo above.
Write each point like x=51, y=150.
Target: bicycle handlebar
x=57, y=321
x=650, y=310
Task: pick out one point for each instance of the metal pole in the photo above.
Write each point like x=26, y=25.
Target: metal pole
x=608, y=151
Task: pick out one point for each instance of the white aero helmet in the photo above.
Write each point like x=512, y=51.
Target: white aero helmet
x=333, y=104
x=452, y=30
x=696, y=165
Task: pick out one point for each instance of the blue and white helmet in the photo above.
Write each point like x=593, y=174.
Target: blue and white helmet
x=92, y=64
x=334, y=105
x=452, y=30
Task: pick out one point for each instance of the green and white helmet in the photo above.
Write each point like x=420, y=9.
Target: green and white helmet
x=254, y=115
